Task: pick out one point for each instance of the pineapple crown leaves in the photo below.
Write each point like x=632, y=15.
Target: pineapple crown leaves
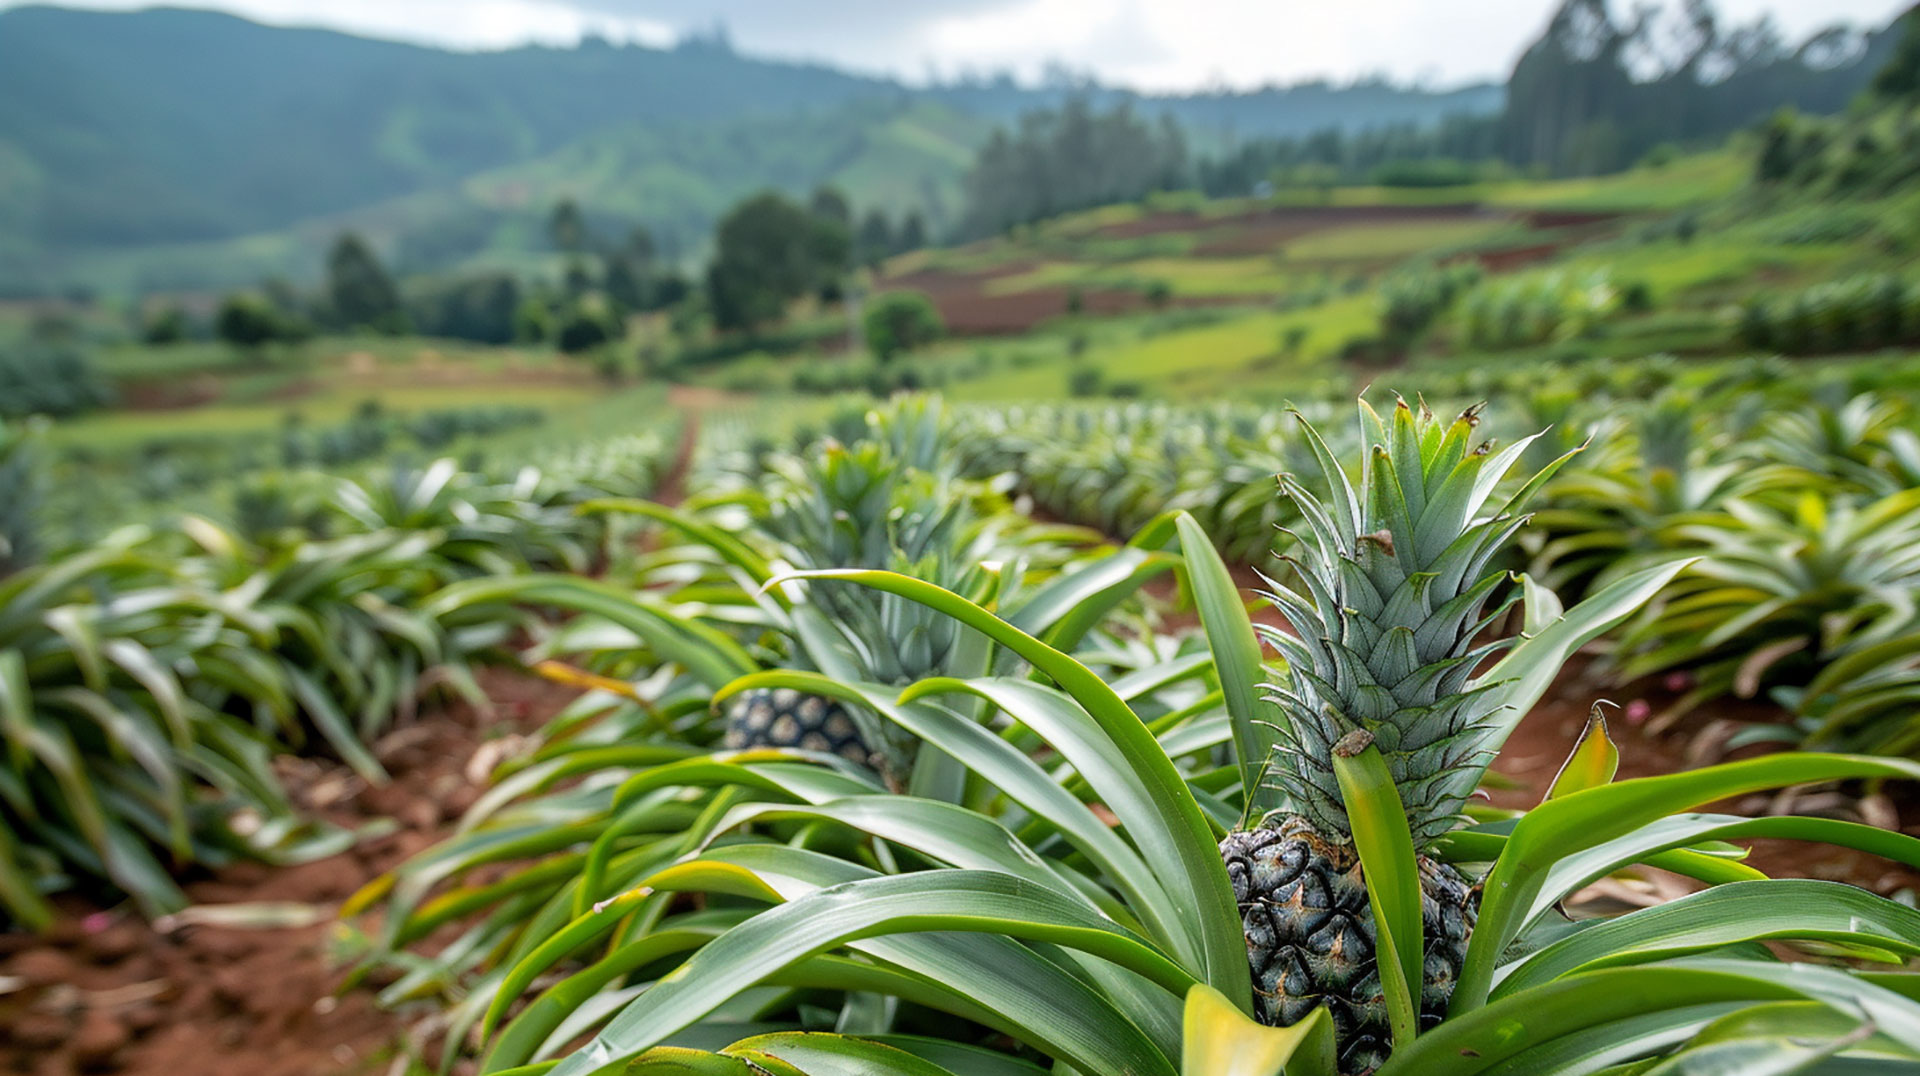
x=889, y=501
x=1395, y=587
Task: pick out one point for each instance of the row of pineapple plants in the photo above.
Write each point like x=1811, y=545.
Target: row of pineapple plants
x=1859, y=313
x=1803, y=590
x=148, y=680
x=1796, y=498
x=953, y=806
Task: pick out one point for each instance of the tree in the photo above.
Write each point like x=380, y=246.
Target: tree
x=901, y=321
x=247, y=321
x=831, y=205
x=768, y=252
x=641, y=248
x=1596, y=92
x=586, y=325
x=624, y=285
x=566, y=227
x=1778, y=153
x=876, y=240
x=578, y=279
x=1900, y=78
x=1073, y=158
x=533, y=320
x=47, y=377
x=481, y=308
x=359, y=290
x=913, y=232
x=166, y=325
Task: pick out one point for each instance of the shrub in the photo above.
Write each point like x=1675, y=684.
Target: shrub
x=166, y=325
x=38, y=377
x=250, y=322
x=901, y=321
x=587, y=324
x=1085, y=381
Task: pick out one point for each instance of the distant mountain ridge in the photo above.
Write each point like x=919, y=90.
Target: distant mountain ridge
x=181, y=148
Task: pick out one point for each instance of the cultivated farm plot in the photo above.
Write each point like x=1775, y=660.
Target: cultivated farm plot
x=1218, y=255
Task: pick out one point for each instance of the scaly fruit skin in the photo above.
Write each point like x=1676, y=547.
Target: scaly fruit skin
x=1309, y=929
x=783, y=717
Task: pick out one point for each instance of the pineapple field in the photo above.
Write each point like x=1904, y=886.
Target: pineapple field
x=1367, y=634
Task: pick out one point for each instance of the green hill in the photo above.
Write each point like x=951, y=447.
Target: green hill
x=172, y=148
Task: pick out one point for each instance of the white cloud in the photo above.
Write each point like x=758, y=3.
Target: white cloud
x=1153, y=44
x=462, y=24
x=1183, y=44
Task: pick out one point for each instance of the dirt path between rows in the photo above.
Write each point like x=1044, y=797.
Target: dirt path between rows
x=108, y=993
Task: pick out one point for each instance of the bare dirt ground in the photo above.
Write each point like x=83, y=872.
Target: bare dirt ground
x=107, y=992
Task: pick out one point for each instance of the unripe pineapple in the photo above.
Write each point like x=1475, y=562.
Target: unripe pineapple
x=1394, y=584
x=885, y=502
x=783, y=717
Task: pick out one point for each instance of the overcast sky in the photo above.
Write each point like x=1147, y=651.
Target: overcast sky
x=1150, y=44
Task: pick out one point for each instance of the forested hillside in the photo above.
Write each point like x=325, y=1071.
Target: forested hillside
x=136, y=149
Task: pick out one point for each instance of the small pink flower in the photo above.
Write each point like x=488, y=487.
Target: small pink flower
x=1637, y=712
x=1679, y=681
x=97, y=922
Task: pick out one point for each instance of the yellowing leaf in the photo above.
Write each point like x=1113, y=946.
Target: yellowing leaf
x=1593, y=763
x=1223, y=1041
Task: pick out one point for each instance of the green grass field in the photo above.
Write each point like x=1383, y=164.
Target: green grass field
x=1273, y=320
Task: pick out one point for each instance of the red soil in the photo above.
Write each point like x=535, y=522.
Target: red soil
x=1264, y=231
x=970, y=308
x=106, y=992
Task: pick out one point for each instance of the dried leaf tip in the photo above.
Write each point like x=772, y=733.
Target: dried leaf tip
x=1353, y=743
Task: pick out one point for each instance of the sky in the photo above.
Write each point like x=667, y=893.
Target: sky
x=1154, y=45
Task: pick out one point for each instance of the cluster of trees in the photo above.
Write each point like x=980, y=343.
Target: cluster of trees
x=1867, y=151
x=1596, y=93
x=601, y=284
x=1459, y=149
x=358, y=294
x=1072, y=158
x=771, y=250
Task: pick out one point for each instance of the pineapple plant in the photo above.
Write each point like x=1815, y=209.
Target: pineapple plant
x=883, y=502
x=1393, y=595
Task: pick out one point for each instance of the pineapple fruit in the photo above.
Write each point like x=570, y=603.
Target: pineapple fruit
x=887, y=501
x=1394, y=584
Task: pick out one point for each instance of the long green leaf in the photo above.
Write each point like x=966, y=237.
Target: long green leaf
x=1570, y=824
x=1193, y=868
x=1236, y=654
x=1385, y=846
